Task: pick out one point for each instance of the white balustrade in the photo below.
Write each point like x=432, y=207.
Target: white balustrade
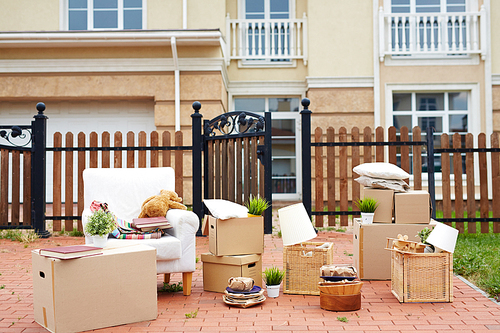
x=266, y=41
x=431, y=34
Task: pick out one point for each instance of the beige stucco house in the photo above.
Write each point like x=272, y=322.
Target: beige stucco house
x=131, y=65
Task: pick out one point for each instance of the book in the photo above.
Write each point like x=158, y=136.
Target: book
x=151, y=223
x=70, y=252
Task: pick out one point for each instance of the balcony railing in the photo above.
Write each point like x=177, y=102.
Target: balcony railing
x=267, y=41
x=432, y=34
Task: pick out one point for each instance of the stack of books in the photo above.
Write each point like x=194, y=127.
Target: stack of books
x=71, y=252
x=150, y=223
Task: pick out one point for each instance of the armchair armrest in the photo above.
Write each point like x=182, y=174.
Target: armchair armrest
x=184, y=224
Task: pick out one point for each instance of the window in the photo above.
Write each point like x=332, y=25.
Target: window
x=285, y=143
x=446, y=112
x=270, y=35
x=428, y=6
x=105, y=14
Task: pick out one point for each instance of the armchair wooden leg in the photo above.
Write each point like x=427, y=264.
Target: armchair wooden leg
x=166, y=277
x=187, y=278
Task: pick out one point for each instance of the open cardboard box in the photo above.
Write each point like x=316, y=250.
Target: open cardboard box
x=236, y=236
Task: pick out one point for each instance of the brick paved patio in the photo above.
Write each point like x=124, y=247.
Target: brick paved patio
x=471, y=311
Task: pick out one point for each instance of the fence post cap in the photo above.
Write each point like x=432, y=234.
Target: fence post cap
x=305, y=103
x=196, y=107
x=40, y=108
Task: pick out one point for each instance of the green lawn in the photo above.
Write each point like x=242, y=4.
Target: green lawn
x=477, y=258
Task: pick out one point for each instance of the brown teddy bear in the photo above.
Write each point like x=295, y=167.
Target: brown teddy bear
x=158, y=205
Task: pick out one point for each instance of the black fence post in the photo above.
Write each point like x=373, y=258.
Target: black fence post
x=268, y=175
x=306, y=155
x=431, y=184
x=197, y=145
x=38, y=168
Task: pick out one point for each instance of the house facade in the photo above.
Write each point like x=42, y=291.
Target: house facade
x=138, y=65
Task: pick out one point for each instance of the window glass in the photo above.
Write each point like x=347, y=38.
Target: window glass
x=428, y=6
x=401, y=102
x=454, y=6
x=430, y=102
x=458, y=100
x=254, y=9
x=132, y=19
x=279, y=9
x=105, y=14
x=250, y=104
x=436, y=122
x=105, y=19
x=101, y=4
x=283, y=127
x=73, y=4
x=132, y=3
x=78, y=20
x=458, y=123
x=400, y=121
x=400, y=6
x=283, y=104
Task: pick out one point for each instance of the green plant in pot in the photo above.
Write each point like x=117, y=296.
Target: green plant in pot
x=100, y=224
x=367, y=206
x=423, y=234
x=256, y=205
x=272, y=277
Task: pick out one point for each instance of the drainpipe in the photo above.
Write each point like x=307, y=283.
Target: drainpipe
x=177, y=84
x=184, y=14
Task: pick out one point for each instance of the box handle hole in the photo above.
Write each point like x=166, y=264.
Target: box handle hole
x=42, y=275
x=251, y=265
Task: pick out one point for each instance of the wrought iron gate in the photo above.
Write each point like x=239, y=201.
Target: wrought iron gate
x=236, y=159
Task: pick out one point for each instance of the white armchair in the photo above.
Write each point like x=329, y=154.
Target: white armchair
x=124, y=190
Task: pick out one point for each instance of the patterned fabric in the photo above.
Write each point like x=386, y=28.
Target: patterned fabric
x=96, y=205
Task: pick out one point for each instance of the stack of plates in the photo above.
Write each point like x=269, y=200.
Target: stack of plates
x=244, y=299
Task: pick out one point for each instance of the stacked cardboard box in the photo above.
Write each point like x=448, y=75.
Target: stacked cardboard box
x=236, y=246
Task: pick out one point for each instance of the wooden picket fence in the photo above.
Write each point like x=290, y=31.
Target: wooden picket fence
x=93, y=155
x=335, y=188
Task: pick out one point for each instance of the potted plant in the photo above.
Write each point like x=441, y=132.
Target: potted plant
x=100, y=224
x=256, y=205
x=273, y=277
x=423, y=234
x=367, y=206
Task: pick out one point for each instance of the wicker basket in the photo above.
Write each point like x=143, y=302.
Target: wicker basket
x=302, y=263
x=422, y=277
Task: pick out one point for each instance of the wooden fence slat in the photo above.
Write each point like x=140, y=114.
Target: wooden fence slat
x=367, y=150
x=318, y=175
x=469, y=169
x=141, y=155
x=354, y=162
x=16, y=187
x=483, y=180
x=27, y=188
x=130, y=153
x=224, y=167
x=217, y=178
x=57, y=182
x=179, y=165
x=118, y=154
x=106, y=141
x=379, y=150
x=457, y=171
x=392, y=149
x=68, y=183
x=495, y=172
x=330, y=171
x=344, y=191
x=262, y=174
x=4, y=187
x=445, y=178
x=230, y=171
x=239, y=171
x=246, y=168
x=417, y=160
x=154, y=137
x=210, y=167
x=405, y=151
x=94, y=157
x=81, y=167
x=254, y=164
x=166, y=154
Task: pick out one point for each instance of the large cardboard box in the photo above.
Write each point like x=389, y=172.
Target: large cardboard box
x=114, y=288
x=370, y=258
x=236, y=236
x=385, y=198
x=412, y=207
x=218, y=269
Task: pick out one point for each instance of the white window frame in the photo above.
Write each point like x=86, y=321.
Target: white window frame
x=474, y=119
x=64, y=16
x=469, y=5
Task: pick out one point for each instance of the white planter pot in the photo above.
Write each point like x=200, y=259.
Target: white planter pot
x=367, y=218
x=100, y=241
x=273, y=291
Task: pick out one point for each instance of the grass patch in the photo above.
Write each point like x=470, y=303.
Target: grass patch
x=19, y=235
x=477, y=258
x=172, y=288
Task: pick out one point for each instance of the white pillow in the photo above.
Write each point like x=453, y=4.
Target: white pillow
x=397, y=185
x=381, y=170
x=224, y=209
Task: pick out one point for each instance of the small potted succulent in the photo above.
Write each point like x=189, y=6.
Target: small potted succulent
x=423, y=234
x=100, y=224
x=367, y=206
x=256, y=205
x=272, y=277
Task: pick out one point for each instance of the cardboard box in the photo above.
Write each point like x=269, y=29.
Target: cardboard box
x=412, y=207
x=114, y=288
x=385, y=198
x=218, y=269
x=236, y=236
x=370, y=258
